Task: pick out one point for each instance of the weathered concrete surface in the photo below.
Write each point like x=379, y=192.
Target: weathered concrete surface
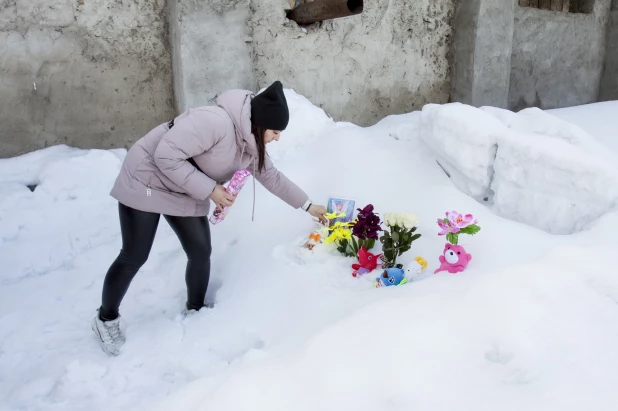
x=483, y=35
x=88, y=73
x=557, y=57
x=463, y=47
x=211, y=49
x=609, y=79
x=393, y=58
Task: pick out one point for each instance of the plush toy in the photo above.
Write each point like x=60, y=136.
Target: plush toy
x=317, y=236
x=391, y=276
x=454, y=259
x=419, y=265
x=368, y=262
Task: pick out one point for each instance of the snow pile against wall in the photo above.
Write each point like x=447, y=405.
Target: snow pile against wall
x=293, y=322
x=463, y=139
x=530, y=167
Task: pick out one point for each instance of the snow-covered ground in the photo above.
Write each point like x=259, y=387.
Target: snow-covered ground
x=531, y=325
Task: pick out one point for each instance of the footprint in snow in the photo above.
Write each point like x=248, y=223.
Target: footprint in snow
x=496, y=356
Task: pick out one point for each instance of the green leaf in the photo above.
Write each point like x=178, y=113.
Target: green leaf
x=471, y=229
x=452, y=238
x=355, y=246
x=415, y=237
x=371, y=243
x=413, y=229
x=395, y=236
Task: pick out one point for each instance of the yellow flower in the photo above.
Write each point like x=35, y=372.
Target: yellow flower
x=339, y=234
x=332, y=216
x=340, y=224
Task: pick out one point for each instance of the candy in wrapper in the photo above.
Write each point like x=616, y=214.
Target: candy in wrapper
x=233, y=188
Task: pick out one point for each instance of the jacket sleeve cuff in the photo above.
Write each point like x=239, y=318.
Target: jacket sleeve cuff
x=204, y=187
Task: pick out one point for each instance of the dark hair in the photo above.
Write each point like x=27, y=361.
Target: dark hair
x=258, y=132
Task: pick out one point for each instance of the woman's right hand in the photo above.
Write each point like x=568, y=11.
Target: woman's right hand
x=221, y=197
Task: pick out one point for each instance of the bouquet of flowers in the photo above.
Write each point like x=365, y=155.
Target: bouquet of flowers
x=351, y=236
x=455, y=224
x=400, y=237
x=365, y=229
x=340, y=234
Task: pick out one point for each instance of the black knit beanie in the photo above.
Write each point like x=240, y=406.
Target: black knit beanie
x=269, y=109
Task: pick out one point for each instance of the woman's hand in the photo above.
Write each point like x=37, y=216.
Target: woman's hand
x=318, y=212
x=221, y=197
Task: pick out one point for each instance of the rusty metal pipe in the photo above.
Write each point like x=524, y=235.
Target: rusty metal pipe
x=319, y=10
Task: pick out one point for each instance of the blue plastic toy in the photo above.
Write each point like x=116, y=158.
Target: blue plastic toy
x=391, y=276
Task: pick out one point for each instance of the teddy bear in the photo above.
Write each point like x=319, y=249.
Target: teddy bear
x=454, y=259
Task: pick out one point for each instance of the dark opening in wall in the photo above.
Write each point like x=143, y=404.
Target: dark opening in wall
x=569, y=6
x=308, y=12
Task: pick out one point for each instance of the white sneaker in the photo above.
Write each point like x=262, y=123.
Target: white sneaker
x=110, y=333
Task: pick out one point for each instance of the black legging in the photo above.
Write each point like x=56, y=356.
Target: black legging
x=138, y=231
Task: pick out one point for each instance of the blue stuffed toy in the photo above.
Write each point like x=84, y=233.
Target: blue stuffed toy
x=391, y=276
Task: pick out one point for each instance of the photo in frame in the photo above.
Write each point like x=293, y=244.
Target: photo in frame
x=341, y=205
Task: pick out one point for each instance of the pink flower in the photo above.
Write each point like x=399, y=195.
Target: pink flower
x=460, y=221
x=454, y=222
x=446, y=227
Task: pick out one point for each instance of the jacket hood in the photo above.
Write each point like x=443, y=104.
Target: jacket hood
x=237, y=103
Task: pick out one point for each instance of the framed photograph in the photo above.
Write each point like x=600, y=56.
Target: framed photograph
x=341, y=205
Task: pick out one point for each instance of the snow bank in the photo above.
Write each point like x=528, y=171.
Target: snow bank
x=298, y=134
x=551, y=184
x=464, y=142
x=532, y=167
x=61, y=177
x=291, y=328
x=536, y=121
x=597, y=119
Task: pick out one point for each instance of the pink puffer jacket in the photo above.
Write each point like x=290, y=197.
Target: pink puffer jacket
x=157, y=177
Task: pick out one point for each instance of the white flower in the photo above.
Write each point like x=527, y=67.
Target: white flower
x=410, y=221
x=390, y=219
x=400, y=219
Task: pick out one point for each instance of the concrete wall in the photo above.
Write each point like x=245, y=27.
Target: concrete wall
x=482, y=52
x=211, y=49
x=557, y=57
x=609, y=79
x=102, y=71
x=390, y=59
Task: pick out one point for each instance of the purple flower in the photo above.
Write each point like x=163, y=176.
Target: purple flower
x=367, y=224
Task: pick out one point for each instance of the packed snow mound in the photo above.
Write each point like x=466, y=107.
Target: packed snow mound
x=537, y=121
x=463, y=139
x=60, y=176
x=551, y=184
x=529, y=166
x=596, y=120
x=297, y=135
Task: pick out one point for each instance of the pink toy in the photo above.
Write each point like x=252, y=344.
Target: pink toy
x=454, y=260
x=233, y=188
